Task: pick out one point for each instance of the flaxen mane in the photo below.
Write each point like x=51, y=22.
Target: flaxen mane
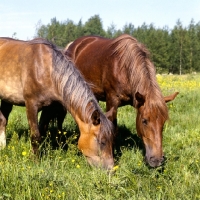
x=141, y=72
x=74, y=89
x=77, y=92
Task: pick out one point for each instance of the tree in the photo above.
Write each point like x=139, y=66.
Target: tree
x=94, y=26
x=79, y=29
x=128, y=28
x=111, y=31
x=41, y=30
x=175, y=50
x=193, y=46
x=178, y=48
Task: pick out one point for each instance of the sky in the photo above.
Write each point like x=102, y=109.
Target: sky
x=22, y=17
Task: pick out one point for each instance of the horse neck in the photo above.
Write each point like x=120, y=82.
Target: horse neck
x=73, y=91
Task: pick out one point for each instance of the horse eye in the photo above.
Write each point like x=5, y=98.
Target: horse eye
x=102, y=143
x=144, y=121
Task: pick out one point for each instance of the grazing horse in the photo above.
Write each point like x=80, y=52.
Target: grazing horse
x=121, y=73
x=36, y=74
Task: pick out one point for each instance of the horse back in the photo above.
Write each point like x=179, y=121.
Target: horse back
x=23, y=69
x=93, y=56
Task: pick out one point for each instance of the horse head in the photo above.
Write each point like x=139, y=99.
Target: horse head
x=149, y=124
x=96, y=140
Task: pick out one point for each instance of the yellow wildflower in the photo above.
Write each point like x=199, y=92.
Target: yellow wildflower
x=24, y=153
x=116, y=167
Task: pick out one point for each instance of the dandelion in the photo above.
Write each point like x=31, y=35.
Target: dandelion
x=24, y=153
x=116, y=167
x=78, y=166
x=73, y=161
x=65, y=133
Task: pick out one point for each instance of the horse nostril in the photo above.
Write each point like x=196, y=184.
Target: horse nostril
x=157, y=161
x=152, y=158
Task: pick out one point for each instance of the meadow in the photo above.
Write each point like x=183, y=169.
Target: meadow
x=63, y=173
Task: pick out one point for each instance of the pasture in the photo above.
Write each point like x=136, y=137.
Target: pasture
x=65, y=174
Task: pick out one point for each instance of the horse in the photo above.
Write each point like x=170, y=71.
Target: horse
x=121, y=73
x=36, y=74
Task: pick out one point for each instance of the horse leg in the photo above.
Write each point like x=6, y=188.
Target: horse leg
x=52, y=112
x=111, y=110
x=61, y=113
x=4, y=114
x=45, y=118
x=32, y=112
x=6, y=108
x=2, y=131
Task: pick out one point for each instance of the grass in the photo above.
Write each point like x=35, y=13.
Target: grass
x=65, y=174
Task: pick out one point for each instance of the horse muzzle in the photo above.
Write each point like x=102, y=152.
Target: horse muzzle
x=96, y=161
x=154, y=161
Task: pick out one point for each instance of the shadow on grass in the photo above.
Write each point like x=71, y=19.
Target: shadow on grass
x=21, y=132
x=55, y=140
x=52, y=140
x=125, y=138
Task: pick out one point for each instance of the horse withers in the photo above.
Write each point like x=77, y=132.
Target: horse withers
x=35, y=74
x=121, y=73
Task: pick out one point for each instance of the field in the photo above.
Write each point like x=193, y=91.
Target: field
x=65, y=174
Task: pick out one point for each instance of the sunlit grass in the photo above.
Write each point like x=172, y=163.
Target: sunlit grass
x=65, y=173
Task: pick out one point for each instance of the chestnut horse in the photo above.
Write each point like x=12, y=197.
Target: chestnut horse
x=35, y=74
x=121, y=73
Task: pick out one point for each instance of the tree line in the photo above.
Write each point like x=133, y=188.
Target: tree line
x=174, y=50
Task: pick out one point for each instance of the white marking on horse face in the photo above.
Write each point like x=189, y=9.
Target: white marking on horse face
x=2, y=139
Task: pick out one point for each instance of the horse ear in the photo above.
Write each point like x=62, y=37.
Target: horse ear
x=170, y=97
x=109, y=114
x=95, y=118
x=140, y=99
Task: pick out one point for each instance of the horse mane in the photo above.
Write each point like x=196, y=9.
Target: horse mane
x=75, y=90
x=141, y=72
x=69, y=81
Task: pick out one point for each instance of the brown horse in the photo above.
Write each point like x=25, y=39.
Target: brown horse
x=35, y=74
x=121, y=73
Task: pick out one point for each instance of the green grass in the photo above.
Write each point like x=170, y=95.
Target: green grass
x=65, y=174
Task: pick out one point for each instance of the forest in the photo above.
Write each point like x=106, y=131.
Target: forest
x=173, y=51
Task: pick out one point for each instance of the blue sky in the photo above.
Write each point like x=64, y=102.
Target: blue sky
x=22, y=16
